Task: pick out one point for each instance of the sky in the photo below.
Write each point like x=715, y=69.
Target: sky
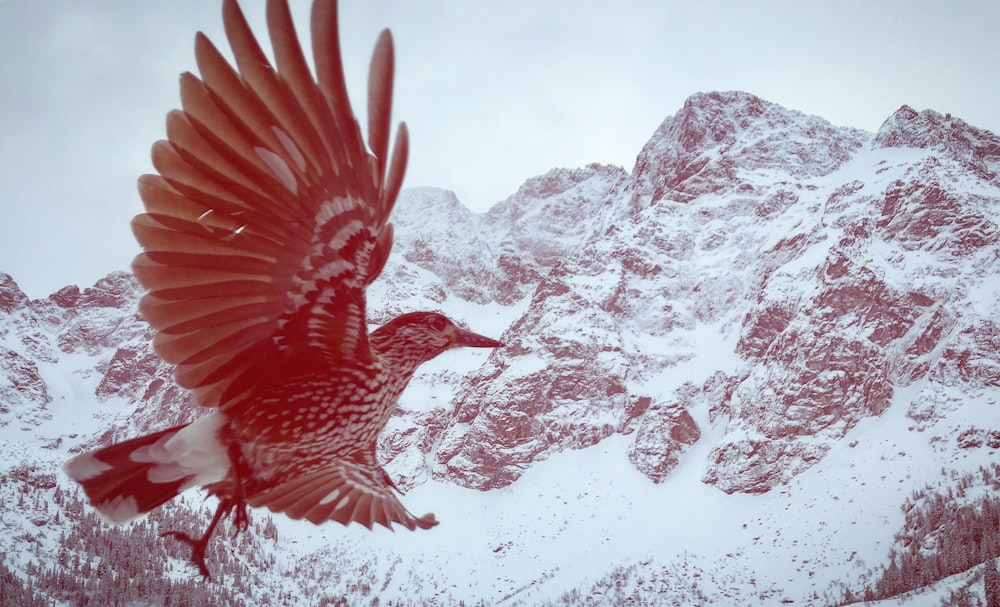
x=493, y=93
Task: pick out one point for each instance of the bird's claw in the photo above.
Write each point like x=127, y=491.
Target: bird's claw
x=241, y=516
x=198, y=547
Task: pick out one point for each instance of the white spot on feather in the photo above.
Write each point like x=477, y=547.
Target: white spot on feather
x=290, y=147
x=332, y=208
x=85, y=467
x=195, y=451
x=333, y=268
x=344, y=234
x=119, y=510
x=279, y=167
x=235, y=233
x=157, y=452
x=329, y=497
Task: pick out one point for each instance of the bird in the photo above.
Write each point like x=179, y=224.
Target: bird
x=265, y=222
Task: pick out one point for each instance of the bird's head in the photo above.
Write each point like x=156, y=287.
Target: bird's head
x=421, y=336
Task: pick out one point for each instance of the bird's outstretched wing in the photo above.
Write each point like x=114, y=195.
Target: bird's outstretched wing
x=343, y=491
x=268, y=217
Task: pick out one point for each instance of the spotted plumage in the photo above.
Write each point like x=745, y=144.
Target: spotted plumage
x=266, y=221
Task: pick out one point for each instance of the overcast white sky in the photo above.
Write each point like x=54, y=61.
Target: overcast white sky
x=493, y=92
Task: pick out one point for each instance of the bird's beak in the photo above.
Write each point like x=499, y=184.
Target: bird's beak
x=475, y=340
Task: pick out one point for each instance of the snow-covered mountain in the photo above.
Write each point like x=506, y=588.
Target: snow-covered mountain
x=761, y=368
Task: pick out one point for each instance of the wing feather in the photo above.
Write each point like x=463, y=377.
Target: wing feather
x=344, y=491
x=207, y=343
x=380, y=100
x=394, y=181
x=289, y=128
x=200, y=213
x=268, y=216
x=238, y=102
x=346, y=151
x=294, y=71
x=188, y=317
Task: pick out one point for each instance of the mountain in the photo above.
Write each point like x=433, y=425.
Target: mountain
x=761, y=367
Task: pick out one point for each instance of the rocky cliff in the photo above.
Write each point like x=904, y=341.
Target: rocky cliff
x=763, y=273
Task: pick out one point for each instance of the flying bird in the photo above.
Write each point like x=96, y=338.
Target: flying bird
x=267, y=221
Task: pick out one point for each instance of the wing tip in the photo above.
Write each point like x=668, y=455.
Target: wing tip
x=427, y=521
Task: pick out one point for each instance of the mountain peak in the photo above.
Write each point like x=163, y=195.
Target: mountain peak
x=719, y=118
x=116, y=290
x=977, y=148
x=11, y=295
x=713, y=119
x=718, y=139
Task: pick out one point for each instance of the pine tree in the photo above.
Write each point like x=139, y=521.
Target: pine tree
x=991, y=583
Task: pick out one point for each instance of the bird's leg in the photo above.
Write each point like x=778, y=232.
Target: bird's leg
x=198, y=546
x=241, y=516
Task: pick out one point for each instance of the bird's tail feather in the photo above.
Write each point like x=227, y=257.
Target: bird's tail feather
x=121, y=480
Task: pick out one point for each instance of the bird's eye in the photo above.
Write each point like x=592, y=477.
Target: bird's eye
x=438, y=323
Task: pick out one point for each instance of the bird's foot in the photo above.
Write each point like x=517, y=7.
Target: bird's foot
x=241, y=515
x=198, y=547
x=234, y=504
